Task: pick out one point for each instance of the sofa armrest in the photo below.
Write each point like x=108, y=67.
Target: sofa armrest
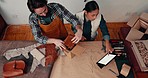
x=124, y=32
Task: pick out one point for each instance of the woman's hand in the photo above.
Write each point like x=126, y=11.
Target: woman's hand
x=109, y=49
x=59, y=43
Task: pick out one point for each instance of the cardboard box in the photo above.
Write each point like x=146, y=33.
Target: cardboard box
x=139, y=27
x=76, y=51
x=125, y=70
x=71, y=48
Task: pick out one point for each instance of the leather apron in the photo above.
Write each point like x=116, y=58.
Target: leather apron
x=55, y=29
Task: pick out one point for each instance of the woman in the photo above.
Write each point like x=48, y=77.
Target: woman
x=91, y=20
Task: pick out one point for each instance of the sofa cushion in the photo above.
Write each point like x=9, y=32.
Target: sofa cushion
x=13, y=68
x=28, y=61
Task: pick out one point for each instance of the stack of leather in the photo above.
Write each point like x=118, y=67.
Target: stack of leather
x=50, y=53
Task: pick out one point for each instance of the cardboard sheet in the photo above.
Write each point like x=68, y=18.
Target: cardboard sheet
x=84, y=66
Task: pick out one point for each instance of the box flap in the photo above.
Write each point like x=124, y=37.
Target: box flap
x=76, y=51
x=144, y=17
x=134, y=34
x=143, y=24
x=133, y=20
x=68, y=53
x=137, y=25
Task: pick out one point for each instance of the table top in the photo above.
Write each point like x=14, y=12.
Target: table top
x=84, y=65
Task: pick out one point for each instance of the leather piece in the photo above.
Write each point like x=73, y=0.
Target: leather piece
x=50, y=53
x=68, y=43
x=13, y=68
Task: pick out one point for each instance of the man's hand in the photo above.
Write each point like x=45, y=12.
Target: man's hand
x=57, y=42
x=78, y=35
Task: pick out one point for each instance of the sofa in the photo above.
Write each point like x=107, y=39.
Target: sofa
x=40, y=71
x=134, y=64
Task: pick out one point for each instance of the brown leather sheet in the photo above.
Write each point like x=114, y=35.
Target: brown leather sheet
x=84, y=65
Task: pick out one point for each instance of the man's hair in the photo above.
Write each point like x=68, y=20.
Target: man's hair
x=34, y=4
x=91, y=5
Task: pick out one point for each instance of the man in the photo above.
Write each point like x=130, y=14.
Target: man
x=46, y=21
